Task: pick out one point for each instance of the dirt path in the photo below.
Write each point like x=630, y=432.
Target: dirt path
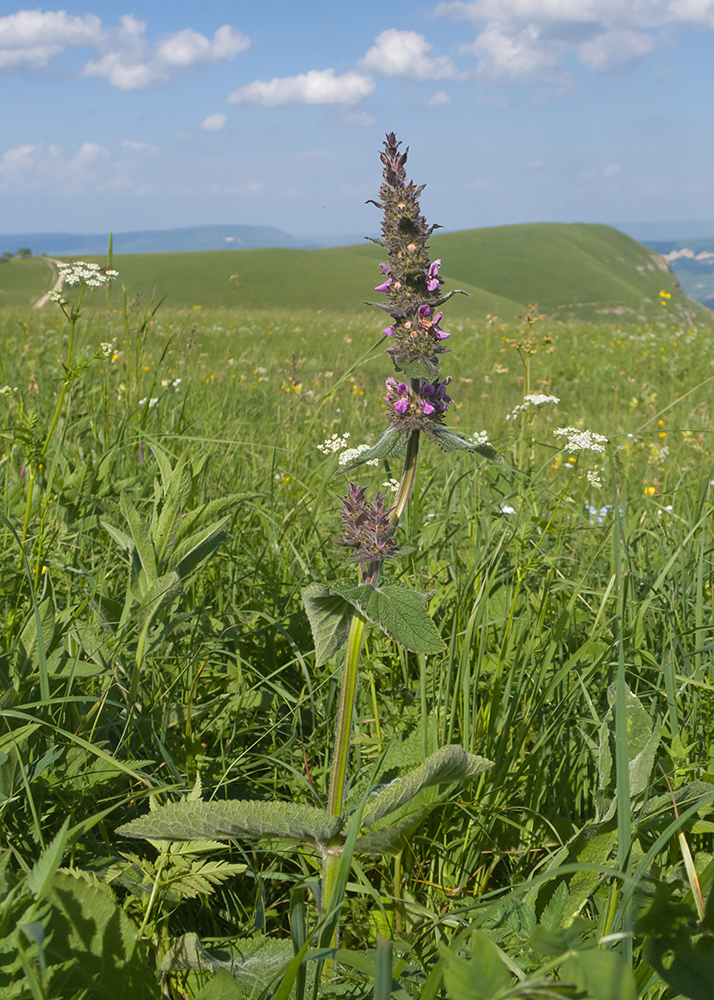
x=56, y=287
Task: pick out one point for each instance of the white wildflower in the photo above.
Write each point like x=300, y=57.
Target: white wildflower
x=108, y=347
x=663, y=453
x=7, y=390
x=79, y=272
x=392, y=484
x=505, y=509
x=532, y=399
x=352, y=453
x=176, y=384
x=594, y=480
x=152, y=402
x=576, y=440
x=56, y=296
x=334, y=443
x=480, y=437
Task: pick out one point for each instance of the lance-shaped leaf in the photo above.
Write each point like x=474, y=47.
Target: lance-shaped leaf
x=449, y=764
x=236, y=820
x=330, y=616
x=449, y=441
x=398, y=611
x=390, y=445
x=140, y=536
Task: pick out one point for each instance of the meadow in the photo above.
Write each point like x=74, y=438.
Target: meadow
x=572, y=589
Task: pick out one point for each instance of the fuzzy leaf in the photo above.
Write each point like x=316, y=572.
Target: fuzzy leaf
x=482, y=977
x=222, y=986
x=195, y=549
x=398, y=611
x=166, y=525
x=602, y=975
x=94, y=945
x=449, y=441
x=142, y=541
x=235, y=820
x=330, y=616
x=390, y=839
x=252, y=962
x=159, y=593
x=427, y=368
x=450, y=763
x=643, y=738
x=120, y=537
x=390, y=445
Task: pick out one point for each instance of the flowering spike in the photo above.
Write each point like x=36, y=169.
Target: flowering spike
x=366, y=527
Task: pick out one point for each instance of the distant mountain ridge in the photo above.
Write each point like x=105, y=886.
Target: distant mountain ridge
x=574, y=271
x=219, y=237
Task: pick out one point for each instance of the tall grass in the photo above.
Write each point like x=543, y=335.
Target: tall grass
x=546, y=588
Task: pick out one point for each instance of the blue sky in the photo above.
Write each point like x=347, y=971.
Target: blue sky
x=160, y=115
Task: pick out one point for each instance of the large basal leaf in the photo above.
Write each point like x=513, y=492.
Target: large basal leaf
x=330, y=616
x=253, y=963
x=449, y=764
x=398, y=611
x=602, y=975
x=222, y=986
x=391, y=839
x=481, y=977
x=235, y=820
x=643, y=738
x=390, y=445
x=97, y=943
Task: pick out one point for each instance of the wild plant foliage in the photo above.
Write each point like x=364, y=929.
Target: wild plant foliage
x=442, y=731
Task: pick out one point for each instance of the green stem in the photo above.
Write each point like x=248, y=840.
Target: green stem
x=338, y=770
x=343, y=736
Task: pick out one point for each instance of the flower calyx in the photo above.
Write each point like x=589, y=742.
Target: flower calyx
x=366, y=527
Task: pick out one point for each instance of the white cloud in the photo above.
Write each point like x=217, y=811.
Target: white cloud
x=128, y=62
x=31, y=39
x=406, y=54
x=47, y=168
x=611, y=169
x=508, y=55
x=214, y=123
x=139, y=147
x=615, y=50
x=527, y=40
x=318, y=86
x=438, y=100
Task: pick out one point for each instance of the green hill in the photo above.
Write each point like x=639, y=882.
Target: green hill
x=573, y=271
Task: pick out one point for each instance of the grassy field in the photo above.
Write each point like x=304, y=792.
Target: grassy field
x=578, y=271
x=573, y=590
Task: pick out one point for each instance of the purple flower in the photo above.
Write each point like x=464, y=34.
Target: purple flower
x=433, y=281
x=385, y=269
x=402, y=405
x=428, y=408
x=389, y=331
x=440, y=334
